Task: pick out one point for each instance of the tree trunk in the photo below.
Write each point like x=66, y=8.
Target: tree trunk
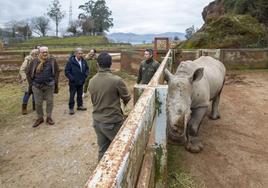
x=57, y=25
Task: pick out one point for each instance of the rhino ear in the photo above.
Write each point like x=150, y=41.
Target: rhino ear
x=198, y=74
x=167, y=75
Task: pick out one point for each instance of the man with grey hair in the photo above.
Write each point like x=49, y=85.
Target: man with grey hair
x=42, y=76
x=76, y=70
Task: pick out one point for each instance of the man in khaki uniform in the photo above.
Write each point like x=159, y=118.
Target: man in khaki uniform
x=91, y=59
x=147, y=68
x=106, y=90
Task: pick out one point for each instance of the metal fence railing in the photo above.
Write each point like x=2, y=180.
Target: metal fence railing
x=137, y=155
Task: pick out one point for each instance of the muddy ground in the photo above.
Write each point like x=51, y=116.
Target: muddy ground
x=60, y=156
x=64, y=155
x=236, y=146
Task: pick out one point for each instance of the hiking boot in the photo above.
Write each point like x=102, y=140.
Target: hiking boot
x=50, y=121
x=24, y=109
x=71, y=111
x=38, y=122
x=82, y=108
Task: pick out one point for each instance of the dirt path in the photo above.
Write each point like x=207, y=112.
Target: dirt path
x=235, y=152
x=49, y=156
x=61, y=156
x=236, y=146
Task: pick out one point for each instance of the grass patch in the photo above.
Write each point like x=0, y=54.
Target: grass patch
x=68, y=43
x=177, y=176
x=54, y=41
x=10, y=102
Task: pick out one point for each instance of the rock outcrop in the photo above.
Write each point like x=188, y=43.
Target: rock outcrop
x=232, y=24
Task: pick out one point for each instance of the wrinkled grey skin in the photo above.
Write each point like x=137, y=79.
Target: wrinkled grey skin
x=190, y=91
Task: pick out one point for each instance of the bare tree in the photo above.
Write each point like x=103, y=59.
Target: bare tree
x=40, y=25
x=20, y=27
x=11, y=27
x=24, y=29
x=55, y=13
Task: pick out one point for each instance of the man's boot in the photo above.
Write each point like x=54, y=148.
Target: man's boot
x=38, y=122
x=50, y=121
x=33, y=106
x=24, y=109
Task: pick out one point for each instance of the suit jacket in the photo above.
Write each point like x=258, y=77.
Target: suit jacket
x=74, y=73
x=30, y=73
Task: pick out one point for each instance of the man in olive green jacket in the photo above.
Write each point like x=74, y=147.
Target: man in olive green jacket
x=106, y=90
x=147, y=68
x=91, y=59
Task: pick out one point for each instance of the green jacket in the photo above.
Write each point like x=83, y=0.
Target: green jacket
x=146, y=71
x=93, y=66
x=106, y=90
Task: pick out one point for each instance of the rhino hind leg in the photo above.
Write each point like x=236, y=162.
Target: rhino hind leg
x=215, y=108
x=194, y=144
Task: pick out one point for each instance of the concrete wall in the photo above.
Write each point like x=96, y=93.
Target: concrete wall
x=130, y=60
x=245, y=58
x=232, y=58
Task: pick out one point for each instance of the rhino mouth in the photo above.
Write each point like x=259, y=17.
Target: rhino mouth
x=176, y=133
x=177, y=129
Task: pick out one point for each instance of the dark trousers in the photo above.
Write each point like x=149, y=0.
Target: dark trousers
x=75, y=89
x=105, y=134
x=26, y=98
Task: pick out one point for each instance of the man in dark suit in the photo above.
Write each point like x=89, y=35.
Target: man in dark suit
x=76, y=70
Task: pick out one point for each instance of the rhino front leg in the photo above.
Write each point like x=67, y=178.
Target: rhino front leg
x=215, y=108
x=194, y=144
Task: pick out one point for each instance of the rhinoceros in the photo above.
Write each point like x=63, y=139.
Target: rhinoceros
x=190, y=91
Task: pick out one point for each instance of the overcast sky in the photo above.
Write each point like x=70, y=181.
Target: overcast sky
x=136, y=16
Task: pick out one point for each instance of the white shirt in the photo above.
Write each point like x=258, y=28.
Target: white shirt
x=79, y=62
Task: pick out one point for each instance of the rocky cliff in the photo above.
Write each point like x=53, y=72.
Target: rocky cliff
x=232, y=24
